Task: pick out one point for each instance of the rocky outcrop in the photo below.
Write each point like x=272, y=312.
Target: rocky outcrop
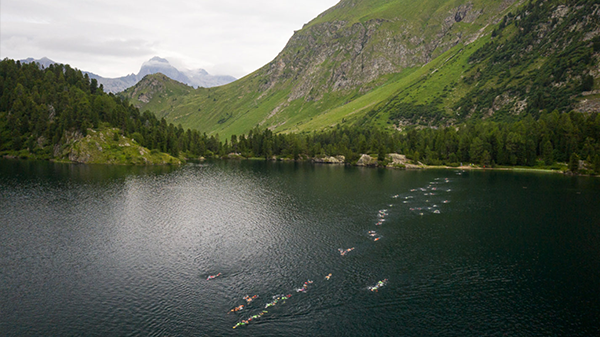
x=366, y=160
x=400, y=161
x=100, y=147
x=589, y=105
x=234, y=155
x=329, y=160
x=394, y=160
x=148, y=87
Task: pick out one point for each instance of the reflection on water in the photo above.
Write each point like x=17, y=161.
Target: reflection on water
x=117, y=250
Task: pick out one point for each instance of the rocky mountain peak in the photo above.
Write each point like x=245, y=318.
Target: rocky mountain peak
x=341, y=50
x=158, y=59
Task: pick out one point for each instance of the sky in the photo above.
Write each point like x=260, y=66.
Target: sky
x=112, y=38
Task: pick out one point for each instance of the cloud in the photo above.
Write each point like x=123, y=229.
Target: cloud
x=231, y=69
x=113, y=37
x=86, y=46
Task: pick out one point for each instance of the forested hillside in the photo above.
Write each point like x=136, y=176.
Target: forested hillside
x=554, y=138
x=542, y=57
x=45, y=112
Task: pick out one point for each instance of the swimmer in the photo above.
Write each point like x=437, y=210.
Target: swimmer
x=213, y=276
x=328, y=277
x=345, y=251
x=238, y=308
x=250, y=299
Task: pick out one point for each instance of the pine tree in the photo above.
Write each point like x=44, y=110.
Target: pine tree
x=574, y=163
x=547, y=153
x=476, y=150
x=486, y=158
x=382, y=153
x=587, y=83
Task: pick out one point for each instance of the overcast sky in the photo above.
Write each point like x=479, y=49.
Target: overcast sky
x=112, y=38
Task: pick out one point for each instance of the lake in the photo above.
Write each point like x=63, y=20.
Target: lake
x=116, y=251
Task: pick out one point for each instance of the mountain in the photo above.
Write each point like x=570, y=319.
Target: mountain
x=404, y=62
x=195, y=78
x=161, y=89
x=44, y=61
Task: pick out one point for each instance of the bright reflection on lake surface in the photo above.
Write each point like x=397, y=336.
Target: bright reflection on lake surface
x=101, y=250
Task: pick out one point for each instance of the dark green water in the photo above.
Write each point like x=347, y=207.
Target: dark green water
x=116, y=251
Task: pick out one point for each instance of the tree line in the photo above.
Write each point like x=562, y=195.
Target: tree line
x=41, y=108
x=553, y=138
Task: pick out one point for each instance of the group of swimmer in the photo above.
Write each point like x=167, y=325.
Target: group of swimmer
x=281, y=299
x=250, y=319
x=304, y=286
x=434, y=209
x=382, y=214
x=381, y=218
x=276, y=299
x=248, y=299
x=378, y=285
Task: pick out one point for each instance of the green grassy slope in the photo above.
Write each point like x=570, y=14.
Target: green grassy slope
x=384, y=63
x=344, y=62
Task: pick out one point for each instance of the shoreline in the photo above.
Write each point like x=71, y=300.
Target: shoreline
x=407, y=166
x=318, y=161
